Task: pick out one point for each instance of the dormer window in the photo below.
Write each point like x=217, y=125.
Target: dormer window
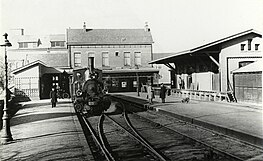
x=57, y=44
x=23, y=45
x=243, y=47
x=256, y=46
x=27, y=44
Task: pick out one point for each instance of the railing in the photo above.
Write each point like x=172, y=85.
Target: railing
x=200, y=95
x=27, y=87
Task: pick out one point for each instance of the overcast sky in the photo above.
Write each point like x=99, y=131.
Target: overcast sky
x=175, y=24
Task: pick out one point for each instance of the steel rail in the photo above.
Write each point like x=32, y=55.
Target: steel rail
x=201, y=142
x=146, y=143
x=102, y=138
x=139, y=138
x=96, y=139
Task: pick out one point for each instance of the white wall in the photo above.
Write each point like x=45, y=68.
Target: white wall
x=164, y=73
x=31, y=72
x=202, y=81
x=234, y=55
x=28, y=79
x=114, y=61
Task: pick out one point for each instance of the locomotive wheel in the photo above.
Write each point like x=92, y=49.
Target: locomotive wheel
x=78, y=108
x=65, y=95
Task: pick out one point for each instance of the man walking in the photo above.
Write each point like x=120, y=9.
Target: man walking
x=53, y=96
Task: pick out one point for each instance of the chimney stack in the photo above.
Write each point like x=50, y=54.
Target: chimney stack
x=147, y=29
x=84, y=26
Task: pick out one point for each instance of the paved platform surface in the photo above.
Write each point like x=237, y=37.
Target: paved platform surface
x=243, y=121
x=44, y=133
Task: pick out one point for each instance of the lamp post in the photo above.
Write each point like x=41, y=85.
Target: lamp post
x=6, y=133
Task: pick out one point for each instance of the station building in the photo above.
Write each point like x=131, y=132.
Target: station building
x=121, y=54
x=207, y=70
x=44, y=61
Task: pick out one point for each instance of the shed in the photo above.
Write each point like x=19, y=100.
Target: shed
x=248, y=83
x=36, y=79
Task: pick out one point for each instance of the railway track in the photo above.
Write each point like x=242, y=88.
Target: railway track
x=116, y=139
x=129, y=128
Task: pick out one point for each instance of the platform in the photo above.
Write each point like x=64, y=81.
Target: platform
x=44, y=133
x=242, y=121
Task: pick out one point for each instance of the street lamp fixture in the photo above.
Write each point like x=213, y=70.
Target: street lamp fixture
x=6, y=135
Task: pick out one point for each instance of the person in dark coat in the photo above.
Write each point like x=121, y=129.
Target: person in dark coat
x=53, y=96
x=163, y=93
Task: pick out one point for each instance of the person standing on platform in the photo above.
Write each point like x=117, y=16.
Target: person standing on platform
x=181, y=83
x=163, y=93
x=53, y=96
x=150, y=93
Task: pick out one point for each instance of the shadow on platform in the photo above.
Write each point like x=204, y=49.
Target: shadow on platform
x=37, y=117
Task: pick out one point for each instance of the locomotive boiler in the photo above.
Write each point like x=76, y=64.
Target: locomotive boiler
x=89, y=97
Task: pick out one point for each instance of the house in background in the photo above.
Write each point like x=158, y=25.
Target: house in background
x=121, y=54
x=208, y=68
x=50, y=49
x=35, y=60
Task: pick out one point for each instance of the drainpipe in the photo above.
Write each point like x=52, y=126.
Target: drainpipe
x=69, y=57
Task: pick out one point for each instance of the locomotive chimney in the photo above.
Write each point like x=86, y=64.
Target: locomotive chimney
x=91, y=65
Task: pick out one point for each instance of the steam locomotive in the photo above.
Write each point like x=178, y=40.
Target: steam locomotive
x=89, y=96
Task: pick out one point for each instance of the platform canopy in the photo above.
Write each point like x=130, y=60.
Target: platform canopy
x=205, y=52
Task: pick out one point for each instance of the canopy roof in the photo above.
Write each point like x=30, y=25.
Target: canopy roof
x=213, y=46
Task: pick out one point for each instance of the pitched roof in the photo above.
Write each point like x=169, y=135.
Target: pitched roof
x=57, y=37
x=253, y=67
x=27, y=38
x=35, y=38
x=46, y=69
x=209, y=45
x=38, y=62
x=108, y=36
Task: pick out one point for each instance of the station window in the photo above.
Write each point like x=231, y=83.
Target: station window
x=116, y=53
x=77, y=59
x=137, y=58
x=243, y=47
x=127, y=59
x=256, y=46
x=105, y=59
